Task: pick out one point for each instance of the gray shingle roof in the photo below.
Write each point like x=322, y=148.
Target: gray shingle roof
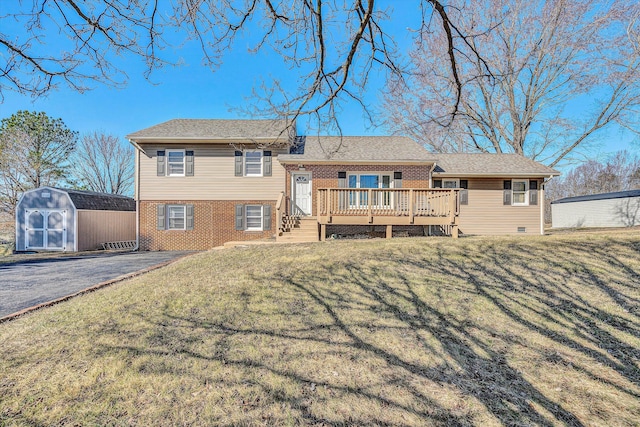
x=359, y=149
x=485, y=164
x=90, y=200
x=601, y=196
x=213, y=129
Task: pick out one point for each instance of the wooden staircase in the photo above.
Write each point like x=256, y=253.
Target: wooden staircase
x=297, y=229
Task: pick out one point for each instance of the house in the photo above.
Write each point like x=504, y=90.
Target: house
x=618, y=209
x=56, y=219
x=200, y=183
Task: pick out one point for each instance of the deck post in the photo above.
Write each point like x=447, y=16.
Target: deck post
x=370, y=201
x=452, y=205
x=389, y=231
x=454, y=231
x=323, y=232
x=411, y=209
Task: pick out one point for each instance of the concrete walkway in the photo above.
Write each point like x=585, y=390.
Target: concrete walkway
x=31, y=282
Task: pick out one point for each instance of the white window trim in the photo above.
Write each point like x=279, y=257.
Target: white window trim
x=168, y=164
x=244, y=163
x=184, y=216
x=526, y=192
x=246, y=222
x=456, y=180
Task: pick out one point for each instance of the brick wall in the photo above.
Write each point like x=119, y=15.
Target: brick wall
x=213, y=225
x=326, y=176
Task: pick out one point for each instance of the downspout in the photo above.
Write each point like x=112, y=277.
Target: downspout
x=137, y=193
x=544, y=181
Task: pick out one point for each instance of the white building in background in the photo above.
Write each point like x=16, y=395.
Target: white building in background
x=619, y=209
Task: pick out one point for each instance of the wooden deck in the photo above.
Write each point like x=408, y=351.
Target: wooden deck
x=379, y=206
x=385, y=206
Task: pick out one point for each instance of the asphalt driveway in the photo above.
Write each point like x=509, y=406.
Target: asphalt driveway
x=27, y=283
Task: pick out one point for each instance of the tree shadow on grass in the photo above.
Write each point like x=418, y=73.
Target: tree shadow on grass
x=339, y=309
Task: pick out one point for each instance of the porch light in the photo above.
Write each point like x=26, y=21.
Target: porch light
x=301, y=167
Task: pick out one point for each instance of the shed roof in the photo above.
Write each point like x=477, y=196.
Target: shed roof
x=601, y=196
x=212, y=129
x=357, y=149
x=489, y=164
x=91, y=200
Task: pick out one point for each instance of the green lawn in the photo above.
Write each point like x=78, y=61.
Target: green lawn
x=424, y=331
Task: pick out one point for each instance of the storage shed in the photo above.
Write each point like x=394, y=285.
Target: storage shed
x=619, y=209
x=56, y=219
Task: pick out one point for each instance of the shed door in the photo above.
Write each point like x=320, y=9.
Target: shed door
x=46, y=229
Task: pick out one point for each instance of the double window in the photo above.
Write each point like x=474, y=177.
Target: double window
x=369, y=180
x=253, y=163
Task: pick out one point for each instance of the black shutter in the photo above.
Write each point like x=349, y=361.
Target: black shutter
x=506, y=193
x=437, y=183
x=238, y=164
x=533, y=192
x=266, y=217
x=266, y=163
x=161, y=163
x=189, y=222
x=161, y=221
x=188, y=163
x=397, y=180
x=342, y=180
x=239, y=217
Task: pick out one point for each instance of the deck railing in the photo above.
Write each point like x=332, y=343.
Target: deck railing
x=286, y=209
x=403, y=202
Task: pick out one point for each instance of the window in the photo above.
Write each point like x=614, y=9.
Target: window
x=369, y=180
x=450, y=183
x=253, y=214
x=176, y=217
x=253, y=163
x=519, y=193
x=175, y=162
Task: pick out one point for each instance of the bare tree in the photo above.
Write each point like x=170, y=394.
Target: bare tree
x=333, y=47
x=103, y=164
x=540, y=78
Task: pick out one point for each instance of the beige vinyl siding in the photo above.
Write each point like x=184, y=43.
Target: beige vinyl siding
x=97, y=227
x=486, y=214
x=214, y=176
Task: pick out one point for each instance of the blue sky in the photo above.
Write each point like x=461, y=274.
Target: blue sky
x=194, y=91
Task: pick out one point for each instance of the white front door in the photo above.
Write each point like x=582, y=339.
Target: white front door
x=302, y=193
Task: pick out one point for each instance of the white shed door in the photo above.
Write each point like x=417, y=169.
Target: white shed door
x=46, y=229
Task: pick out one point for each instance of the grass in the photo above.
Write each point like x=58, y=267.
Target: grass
x=478, y=331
